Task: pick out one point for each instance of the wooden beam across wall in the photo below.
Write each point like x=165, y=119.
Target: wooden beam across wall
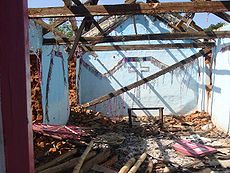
x=224, y=16
x=151, y=46
x=161, y=36
x=130, y=9
x=147, y=79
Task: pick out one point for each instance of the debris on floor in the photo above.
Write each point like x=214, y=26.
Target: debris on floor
x=192, y=149
x=144, y=148
x=60, y=132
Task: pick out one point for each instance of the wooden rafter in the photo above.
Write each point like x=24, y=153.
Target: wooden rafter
x=161, y=36
x=147, y=79
x=151, y=46
x=148, y=46
x=89, y=23
x=77, y=38
x=224, y=16
x=131, y=9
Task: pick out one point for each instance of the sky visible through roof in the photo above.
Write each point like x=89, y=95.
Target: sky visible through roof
x=202, y=19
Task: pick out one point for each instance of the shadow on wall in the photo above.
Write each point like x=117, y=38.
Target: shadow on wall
x=219, y=104
x=149, y=91
x=55, y=85
x=177, y=91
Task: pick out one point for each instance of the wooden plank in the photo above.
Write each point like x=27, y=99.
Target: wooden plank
x=224, y=16
x=130, y=9
x=161, y=36
x=77, y=38
x=106, y=19
x=151, y=46
x=99, y=158
x=57, y=160
x=147, y=79
x=78, y=2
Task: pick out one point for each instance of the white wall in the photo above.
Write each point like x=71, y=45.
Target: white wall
x=220, y=103
x=58, y=105
x=177, y=92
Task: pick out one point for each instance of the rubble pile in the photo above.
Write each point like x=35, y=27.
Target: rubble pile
x=72, y=83
x=143, y=148
x=36, y=96
x=47, y=148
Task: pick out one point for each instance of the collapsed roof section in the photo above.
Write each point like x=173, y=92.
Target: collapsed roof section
x=91, y=32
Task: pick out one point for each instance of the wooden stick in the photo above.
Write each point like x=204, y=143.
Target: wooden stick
x=56, y=161
x=83, y=156
x=161, y=36
x=150, y=167
x=127, y=166
x=111, y=161
x=101, y=157
x=138, y=163
x=100, y=168
x=66, y=165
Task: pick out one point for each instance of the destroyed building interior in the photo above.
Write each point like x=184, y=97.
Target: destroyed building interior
x=138, y=87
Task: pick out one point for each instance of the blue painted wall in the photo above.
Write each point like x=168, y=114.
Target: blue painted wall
x=178, y=91
x=58, y=105
x=220, y=107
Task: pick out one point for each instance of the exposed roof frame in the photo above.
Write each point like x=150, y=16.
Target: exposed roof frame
x=131, y=9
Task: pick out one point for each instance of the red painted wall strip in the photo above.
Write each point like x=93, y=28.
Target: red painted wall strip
x=15, y=86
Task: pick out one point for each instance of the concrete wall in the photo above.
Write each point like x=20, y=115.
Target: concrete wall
x=178, y=91
x=58, y=105
x=220, y=107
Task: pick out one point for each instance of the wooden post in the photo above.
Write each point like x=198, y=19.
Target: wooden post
x=161, y=118
x=161, y=36
x=127, y=166
x=138, y=163
x=15, y=87
x=130, y=117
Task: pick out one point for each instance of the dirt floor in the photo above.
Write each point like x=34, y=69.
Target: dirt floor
x=122, y=142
